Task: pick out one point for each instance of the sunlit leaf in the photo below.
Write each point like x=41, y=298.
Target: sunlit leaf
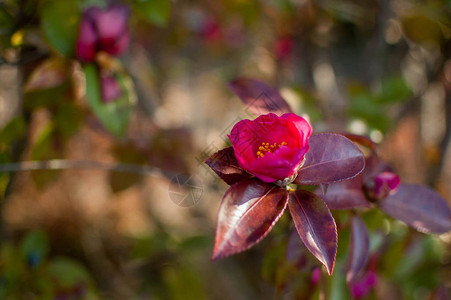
x=114, y=115
x=153, y=11
x=315, y=226
x=419, y=207
x=259, y=97
x=224, y=164
x=248, y=212
x=50, y=73
x=60, y=21
x=358, y=248
x=331, y=158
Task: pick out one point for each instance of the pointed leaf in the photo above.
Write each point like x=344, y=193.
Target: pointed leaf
x=331, y=158
x=347, y=194
x=315, y=226
x=248, y=212
x=420, y=207
x=224, y=164
x=60, y=24
x=259, y=97
x=358, y=249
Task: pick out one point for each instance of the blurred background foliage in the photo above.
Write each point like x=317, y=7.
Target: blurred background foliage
x=96, y=226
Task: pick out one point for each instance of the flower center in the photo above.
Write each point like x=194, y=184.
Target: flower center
x=266, y=147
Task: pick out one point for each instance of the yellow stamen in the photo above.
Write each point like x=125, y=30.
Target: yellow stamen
x=266, y=147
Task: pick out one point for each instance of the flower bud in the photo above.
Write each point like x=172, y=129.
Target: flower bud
x=110, y=88
x=382, y=185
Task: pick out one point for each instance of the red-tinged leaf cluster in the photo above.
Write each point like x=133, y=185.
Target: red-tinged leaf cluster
x=378, y=186
x=420, y=207
x=249, y=210
x=258, y=197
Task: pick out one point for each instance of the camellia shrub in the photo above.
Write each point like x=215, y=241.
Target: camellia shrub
x=274, y=157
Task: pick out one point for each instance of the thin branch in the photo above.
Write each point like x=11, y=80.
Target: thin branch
x=63, y=164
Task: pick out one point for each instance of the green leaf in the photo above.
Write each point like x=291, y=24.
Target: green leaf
x=60, y=21
x=48, y=98
x=35, y=246
x=14, y=130
x=68, y=272
x=366, y=107
x=114, y=115
x=153, y=11
x=68, y=119
x=394, y=89
x=183, y=283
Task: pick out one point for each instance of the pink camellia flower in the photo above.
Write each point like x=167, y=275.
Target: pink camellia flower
x=103, y=30
x=383, y=185
x=270, y=147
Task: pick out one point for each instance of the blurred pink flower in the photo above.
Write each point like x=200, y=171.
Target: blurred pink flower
x=211, y=30
x=361, y=288
x=316, y=276
x=271, y=147
x=284, y=48
x=103, y=30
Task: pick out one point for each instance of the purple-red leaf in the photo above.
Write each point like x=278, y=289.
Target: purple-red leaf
x=224, y=164
x=259, y=97
x=358, y=248
x=315, y=226
x=420, y=207
x=295, y=252
x=331, y=158
x=248, y=212
x=347, y=194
